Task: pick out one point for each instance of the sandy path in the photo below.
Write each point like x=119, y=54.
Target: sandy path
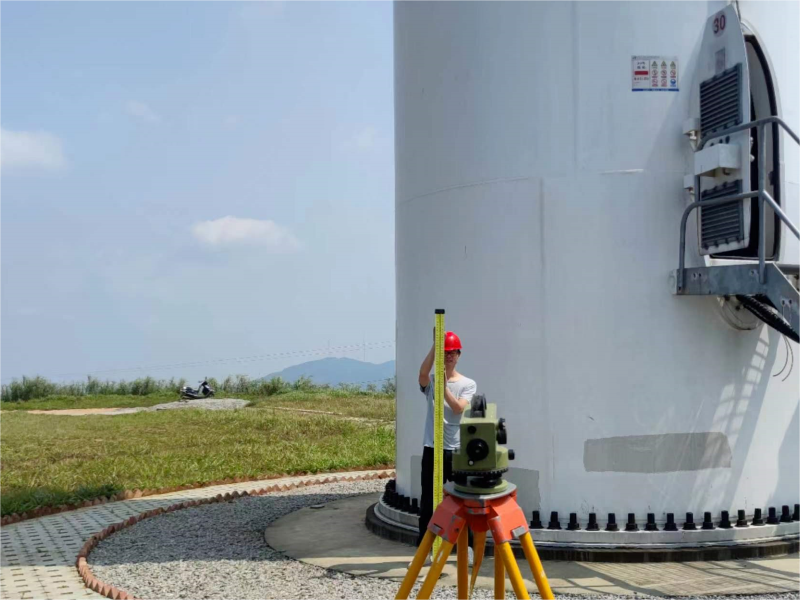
x=74, y=412
x=206, y=403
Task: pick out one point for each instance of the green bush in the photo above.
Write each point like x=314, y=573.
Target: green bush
x=390, y=387
x=31, y=388
x=272, y=386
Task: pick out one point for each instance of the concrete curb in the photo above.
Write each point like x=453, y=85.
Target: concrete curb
x=110, y=591
x=623, y=554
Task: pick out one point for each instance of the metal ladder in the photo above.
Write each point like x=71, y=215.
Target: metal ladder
x=770, y=280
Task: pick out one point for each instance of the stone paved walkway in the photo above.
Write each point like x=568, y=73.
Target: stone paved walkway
x=38, y=555
x=349, y=547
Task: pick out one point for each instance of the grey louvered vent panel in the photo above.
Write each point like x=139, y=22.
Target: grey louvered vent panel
x=720, y=101
x=722, y=224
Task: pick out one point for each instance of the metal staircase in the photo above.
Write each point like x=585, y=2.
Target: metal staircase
x=767, y=289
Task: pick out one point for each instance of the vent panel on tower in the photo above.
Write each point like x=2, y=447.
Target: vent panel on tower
x=720, y=101
x=722, y=224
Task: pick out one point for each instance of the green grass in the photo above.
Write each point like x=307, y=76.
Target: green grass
x=100, y=401
x=367, y=407
x=377, y=406
x=52, y=460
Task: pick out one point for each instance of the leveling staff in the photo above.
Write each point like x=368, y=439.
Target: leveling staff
x=457, y=397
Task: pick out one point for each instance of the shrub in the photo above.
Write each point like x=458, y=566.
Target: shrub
x=31, y=388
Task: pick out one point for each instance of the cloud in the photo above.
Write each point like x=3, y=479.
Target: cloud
x=31, y=150
x=140, y=110
x=233, y=231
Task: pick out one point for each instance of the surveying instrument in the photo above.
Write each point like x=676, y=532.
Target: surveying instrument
x=478, y=499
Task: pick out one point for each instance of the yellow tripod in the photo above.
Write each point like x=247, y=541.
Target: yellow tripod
x=460, y=512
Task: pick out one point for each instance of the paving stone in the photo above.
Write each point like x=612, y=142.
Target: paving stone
x=38, y=556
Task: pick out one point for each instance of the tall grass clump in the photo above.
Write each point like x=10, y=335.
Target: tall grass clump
x=28, y=389
x=32, y=388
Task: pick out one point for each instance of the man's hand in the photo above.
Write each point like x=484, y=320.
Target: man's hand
x=457, y=405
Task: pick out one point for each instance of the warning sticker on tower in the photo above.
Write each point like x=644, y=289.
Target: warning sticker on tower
x=654, y=73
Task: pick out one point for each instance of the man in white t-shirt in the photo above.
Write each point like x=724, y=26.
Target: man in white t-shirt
x=457, y=397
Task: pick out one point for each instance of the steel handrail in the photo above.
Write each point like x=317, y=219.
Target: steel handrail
x=750, y=125
x=761, y=193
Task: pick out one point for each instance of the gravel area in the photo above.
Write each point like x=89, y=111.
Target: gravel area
x=218, y=551
x=206, y=404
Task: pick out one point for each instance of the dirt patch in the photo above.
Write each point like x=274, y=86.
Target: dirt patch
x=74, y=412
x=205, y=404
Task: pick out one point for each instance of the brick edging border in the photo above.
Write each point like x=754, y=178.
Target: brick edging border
x=109, y=591
x=44, y=511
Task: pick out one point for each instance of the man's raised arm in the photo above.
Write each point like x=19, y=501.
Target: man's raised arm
x=425, y=368
x=457, y=405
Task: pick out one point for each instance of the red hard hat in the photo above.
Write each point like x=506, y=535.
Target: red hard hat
x=451, y=342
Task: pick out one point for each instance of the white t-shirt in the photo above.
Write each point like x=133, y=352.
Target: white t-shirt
x=463, y=387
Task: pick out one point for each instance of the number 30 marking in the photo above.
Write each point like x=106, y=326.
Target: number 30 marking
x=719, y=24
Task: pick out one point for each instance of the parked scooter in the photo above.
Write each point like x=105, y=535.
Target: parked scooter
x=204, y=391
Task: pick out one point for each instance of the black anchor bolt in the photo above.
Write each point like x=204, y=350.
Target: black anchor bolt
x=612, y=523
x=651, y=522
x=554, y=524
x=670, y=524
x=631, y=524
x=592, y=526
x=757, y=518
x=707, y=522
x=414, y=506
x=773, y=517
x=725, y=522
x=536, y=521
x=689, y=524
x=786, y=516
x=742, y=520
x=573, y=522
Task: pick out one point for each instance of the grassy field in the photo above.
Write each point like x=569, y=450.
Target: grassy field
x=99, y=401
x=51, y=460
x=367, y=407
x=377, y=406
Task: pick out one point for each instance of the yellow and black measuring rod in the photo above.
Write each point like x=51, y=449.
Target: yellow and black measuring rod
x=439, y=380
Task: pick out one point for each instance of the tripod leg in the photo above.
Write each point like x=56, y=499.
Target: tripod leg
x=415, y=566
x=463, y=563
x=514, y=575
x=536, y=565
x=499, y=577
x=480, y=547
x=436, y=569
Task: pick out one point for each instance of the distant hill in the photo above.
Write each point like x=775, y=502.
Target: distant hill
x=334, y=371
